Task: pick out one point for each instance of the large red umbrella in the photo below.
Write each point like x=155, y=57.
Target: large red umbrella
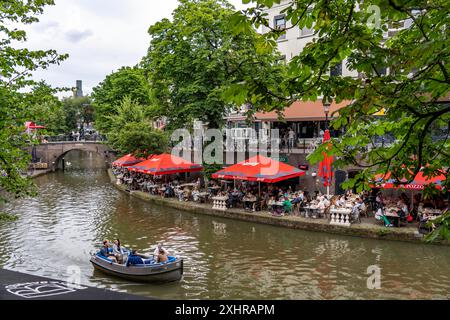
x=259, y=168
x=165, y=164
x=127, y=160
x=419, y=182
x=326, y=165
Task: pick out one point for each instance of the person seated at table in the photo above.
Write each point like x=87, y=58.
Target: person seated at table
x=195, y=194
x=169, y=192
x=134, y=259
x=379, y=200
x=403, y=209
x=187, y=193
x=341, y=201
x=271, y=204
x=417, y=202
x=287, y=205
x=356, y=209
x=248, y=203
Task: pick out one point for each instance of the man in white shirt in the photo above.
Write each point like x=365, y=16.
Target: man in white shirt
x=158, y=248
x=291, y=139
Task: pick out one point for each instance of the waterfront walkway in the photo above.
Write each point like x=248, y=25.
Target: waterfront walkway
x=20, y=286
x=368, y=228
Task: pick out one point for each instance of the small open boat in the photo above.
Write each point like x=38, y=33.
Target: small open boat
x=150, y=271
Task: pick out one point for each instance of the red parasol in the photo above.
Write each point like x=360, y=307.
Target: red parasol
x=260, y=169
x=326, y=165
x=419, y=182
x=127, y=160
x=165, y=164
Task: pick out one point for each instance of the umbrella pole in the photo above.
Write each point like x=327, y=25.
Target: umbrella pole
x=259, y=188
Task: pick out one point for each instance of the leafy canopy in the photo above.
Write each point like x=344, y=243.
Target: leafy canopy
x=132, y=132
x=412, y=95
x=16, y=67
x=113, y=89
x=195, y=61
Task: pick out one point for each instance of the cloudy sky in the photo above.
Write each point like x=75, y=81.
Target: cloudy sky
x=99, y=35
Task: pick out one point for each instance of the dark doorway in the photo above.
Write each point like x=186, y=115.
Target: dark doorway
x=341, y=176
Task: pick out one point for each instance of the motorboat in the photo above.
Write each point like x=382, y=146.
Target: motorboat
x=149, y=271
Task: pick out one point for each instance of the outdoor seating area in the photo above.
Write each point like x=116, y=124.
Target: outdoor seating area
x=262, y=184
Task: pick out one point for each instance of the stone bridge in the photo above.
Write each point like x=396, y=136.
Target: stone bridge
x=52, y=152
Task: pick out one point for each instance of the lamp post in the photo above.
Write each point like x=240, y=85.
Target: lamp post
x=326, y=109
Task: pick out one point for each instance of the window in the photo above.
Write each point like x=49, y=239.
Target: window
x=336, y=70
x=280, y=24
x=307, y=31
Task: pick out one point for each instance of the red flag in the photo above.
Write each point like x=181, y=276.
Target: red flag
x=326, y=165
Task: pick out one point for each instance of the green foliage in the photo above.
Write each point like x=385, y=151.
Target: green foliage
x=442, y=231
x=210, y=169
x=77, y=110
x=16, y=67
x=110, y=92
x=7, y=217
x=196, y=63
x=132, y=131
x=410, y=96
x=46, y=109
x=141, y=140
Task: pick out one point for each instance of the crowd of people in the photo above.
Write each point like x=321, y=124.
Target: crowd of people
x=404, y=209
x=281, y=200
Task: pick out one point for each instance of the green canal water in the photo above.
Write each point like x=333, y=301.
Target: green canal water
x=224, y=259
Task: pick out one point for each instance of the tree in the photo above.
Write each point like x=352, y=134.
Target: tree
x=195, y=61
x=110, y=92
x=140, y=139
x=78, y=111
x=46, y=109
x=131, y=130
x=16, y=66
x=411, y=96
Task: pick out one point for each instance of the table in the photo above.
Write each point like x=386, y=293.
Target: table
x=203, y=196
x=277, y=206
x=250, y=200
x=188, y=185
x=393, y=217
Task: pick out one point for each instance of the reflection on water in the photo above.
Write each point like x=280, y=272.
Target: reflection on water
x=224, y=259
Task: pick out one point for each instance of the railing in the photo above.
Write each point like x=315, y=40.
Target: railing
x=302, y=146
x=67, y=138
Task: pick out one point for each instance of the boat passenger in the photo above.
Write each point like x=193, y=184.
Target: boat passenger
x=162, y=256
x=104, y=251
x=158, y=248
x=134, y=259
x=118, y=251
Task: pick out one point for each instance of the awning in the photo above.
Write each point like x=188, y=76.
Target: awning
x=127, y=160
x=165, y=164
x=260, y=169
x=32, y=125
x=302, y=111
x=419, y=182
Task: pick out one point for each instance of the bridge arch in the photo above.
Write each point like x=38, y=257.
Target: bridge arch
x=52, y=152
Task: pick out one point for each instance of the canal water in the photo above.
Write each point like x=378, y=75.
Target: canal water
x=224, y=259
